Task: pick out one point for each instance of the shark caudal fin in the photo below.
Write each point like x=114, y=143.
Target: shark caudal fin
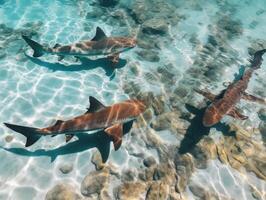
x=37, y=48
x=30, y=133
x=257, y=60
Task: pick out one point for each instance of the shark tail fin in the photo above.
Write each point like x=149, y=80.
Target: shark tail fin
x=30, y=133
x=256, y=62
x=37, y=48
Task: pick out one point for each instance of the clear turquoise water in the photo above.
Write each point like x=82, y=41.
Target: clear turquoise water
x=36, y=92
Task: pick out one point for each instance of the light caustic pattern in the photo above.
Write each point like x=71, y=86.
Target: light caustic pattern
x=37, y=92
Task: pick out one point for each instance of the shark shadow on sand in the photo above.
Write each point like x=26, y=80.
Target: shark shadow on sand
x=85, y=64
x=85, y=141
x=196, y=131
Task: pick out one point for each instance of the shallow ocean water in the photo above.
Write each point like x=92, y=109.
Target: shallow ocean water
x=37, y=91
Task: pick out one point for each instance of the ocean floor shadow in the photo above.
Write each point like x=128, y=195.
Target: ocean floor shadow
x=83, y=64
x=196, y=131
x=85, y=141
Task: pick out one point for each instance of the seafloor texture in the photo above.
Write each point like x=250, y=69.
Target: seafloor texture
x=182, y=45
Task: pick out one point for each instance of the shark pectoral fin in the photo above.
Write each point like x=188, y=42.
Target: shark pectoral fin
x=69, y=137
x=60, y=57
x=236, y=114
x=114, y=58
x=58, y=122
x=77, y=58
x=208, y=95
x=250, y=97
x=99, y=35
x=95, y=105
x=116, y=133
x=57, y=45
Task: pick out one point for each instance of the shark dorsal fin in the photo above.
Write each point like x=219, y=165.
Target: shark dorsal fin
x=95, y=105
x=57, y=45
x=99, y=35
x=58, y=122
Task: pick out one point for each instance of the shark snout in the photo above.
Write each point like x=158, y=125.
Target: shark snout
x=131, y=42
x=211, y=117
x=134, y=42
x=141, y=106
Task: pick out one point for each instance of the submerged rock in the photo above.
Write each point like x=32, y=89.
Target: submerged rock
x=157, y=190
x=149, y=161
x=184, y=168
x=62, y=192
x=258, y=166
x=94, y=183
x=170, y=121
x=241, y=151
x=144, y=10
x=9, y=138
x=201, y=192
x=131, y=191
x=155, y=26
x=229, y=27
x=201, y=159
x=128, y=175
x=97, y=160
x=208, y=146
x=151, y=56
x=66, y=168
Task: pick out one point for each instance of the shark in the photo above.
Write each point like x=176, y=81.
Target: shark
x=225, y=102
x=100, y=44
x=110, y=119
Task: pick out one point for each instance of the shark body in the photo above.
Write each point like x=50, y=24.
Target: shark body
x=110, y=119
x=225, y=103
x=100, y=44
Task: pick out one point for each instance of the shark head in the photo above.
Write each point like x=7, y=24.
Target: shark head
x=129, y=109
x=139, y=106
x=211, y=116
x=121, y=44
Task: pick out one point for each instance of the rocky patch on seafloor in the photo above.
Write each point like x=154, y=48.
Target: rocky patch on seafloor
x=214, y=56
x=145, y=19
x=96, y=184
x=63, y=192
x=154, y=18
x=202, y=193
x=240, y=152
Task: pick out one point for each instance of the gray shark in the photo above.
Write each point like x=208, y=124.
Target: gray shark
x=98, y=117
x=100, y=44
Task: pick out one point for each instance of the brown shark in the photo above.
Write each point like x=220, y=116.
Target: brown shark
x=100, y=44
x=224, y=103
x=98, y=116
